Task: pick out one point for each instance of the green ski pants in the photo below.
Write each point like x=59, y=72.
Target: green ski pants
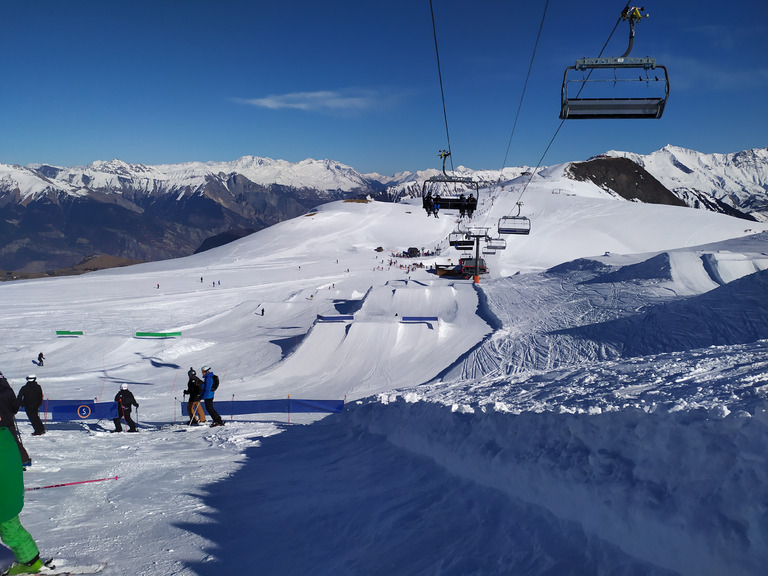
x=18, y=539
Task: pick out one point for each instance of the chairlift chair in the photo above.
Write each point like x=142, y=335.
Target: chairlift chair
x=624, y=77
x=515, y=224
x=452, y=201
x=461, y=241
x=496, y=244
x=577, y=107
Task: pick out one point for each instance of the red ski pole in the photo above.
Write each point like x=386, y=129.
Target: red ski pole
x=69, y=484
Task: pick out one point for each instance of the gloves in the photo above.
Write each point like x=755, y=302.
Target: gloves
x=137, y=404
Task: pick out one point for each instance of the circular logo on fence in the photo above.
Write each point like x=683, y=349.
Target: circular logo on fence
x=84, y=411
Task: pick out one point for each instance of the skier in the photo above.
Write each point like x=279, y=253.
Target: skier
x=40, y=359
x=195, y=391
x=427, y=203
x=9, y=405
x=12, y=532
x=462, y=205
x=31, y=397
x=125, y=400
x=471, y=205
x=208, y=392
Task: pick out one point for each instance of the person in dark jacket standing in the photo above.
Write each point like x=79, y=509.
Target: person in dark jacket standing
x=125, y=401
x=9, y=405
x=208, y=396
x=31, y=397
x=195, y=391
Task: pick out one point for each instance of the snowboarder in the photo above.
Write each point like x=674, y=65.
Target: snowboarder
x=40, y=359
x=125, y=401
x=12, y=532
x=208, y=392
x=195, y=391
x=31, y=397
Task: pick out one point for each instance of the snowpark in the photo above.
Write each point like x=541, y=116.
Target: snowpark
x=596, y=405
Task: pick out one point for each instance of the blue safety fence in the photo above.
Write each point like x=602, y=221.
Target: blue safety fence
x=65, y=410
x=281, y=406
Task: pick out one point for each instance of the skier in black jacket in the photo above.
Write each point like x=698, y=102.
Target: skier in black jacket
x=31, y=397
x=125, y=401
x=195, y=391
x=9, y=405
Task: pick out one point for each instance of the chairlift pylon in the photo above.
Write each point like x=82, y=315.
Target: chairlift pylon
x=624, y=76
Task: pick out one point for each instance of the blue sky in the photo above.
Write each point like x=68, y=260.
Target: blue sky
x=174, y=81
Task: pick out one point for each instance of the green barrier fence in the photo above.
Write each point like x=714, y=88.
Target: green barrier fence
x=157, y=334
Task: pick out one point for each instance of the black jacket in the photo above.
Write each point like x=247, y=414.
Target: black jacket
x=125, y=400
x=31, y=396
x=9, y=404
x=195, y=389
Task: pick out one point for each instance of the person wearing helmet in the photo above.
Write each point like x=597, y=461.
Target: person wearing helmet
x=31, y=397
x=195, y=391
x=12, y=533
x=125, y=401
x=208, y=392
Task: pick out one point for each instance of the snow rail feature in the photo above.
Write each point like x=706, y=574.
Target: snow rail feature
x=419, y=319
x=157, y=334
x=69, y=332
x=339, y=318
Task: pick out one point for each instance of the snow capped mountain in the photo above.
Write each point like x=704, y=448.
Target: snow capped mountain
x=115, y=176
x=150, y=212
x=739, y=179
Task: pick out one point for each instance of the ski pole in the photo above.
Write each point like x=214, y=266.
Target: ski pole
x=69, y=484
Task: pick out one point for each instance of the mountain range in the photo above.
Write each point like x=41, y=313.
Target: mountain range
x=54, y=217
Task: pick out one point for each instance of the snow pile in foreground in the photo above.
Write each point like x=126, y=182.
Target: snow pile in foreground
x=666, y=486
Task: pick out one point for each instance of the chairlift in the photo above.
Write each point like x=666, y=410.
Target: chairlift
x=461, y=241
x=433, y=201
x=488, y=250
x=515, y=224
x=496, y=244
x=622, y=73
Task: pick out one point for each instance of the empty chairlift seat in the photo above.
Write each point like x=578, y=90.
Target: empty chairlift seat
x=614, y=88
x=514, y=225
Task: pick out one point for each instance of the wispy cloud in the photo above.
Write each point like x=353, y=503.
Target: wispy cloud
x=329, y=101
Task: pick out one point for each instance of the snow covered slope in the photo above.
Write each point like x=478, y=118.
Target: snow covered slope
x=535, y=427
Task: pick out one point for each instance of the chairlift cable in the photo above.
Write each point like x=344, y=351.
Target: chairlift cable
x=533, y=173
x=525, y=86
x=440, y=76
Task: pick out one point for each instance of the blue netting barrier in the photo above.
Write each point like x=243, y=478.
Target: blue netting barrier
x=65, y=410
x=282, y=406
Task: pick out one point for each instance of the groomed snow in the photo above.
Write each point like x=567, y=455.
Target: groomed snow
x=604, y=412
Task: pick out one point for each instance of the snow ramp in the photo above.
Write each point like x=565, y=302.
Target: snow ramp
x=335, y=358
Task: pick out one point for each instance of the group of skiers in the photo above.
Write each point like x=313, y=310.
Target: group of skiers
x=13, y=456
x=466, y=205
x=202, y=391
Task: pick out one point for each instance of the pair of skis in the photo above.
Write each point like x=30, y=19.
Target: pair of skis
x=52, y=567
